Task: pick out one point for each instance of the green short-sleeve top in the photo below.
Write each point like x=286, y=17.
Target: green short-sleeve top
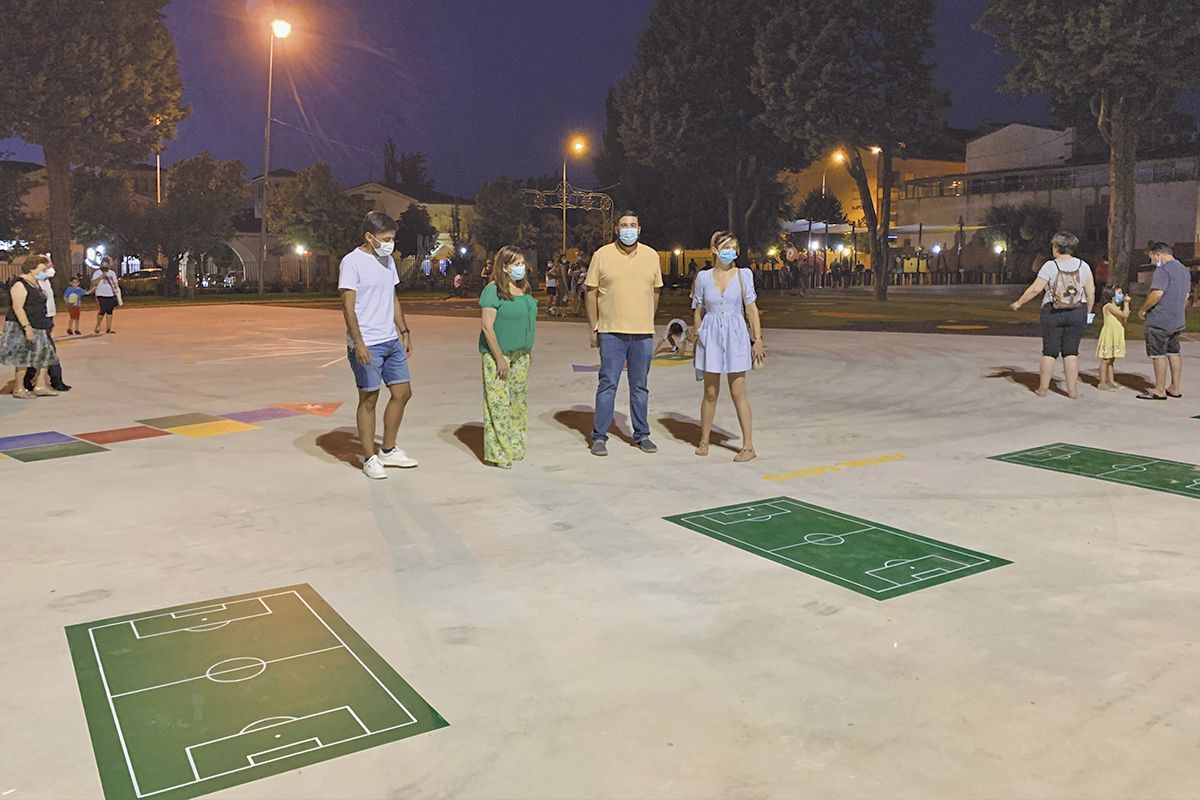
x=516, y=320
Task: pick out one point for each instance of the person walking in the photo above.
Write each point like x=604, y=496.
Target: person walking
x=1068, y=294
x=25, y=339
x=54, y=371
x=379, y=342
x=509, y=312
x=1165, y=312
x=624, y=283
x=728, y=341
x=107, y=288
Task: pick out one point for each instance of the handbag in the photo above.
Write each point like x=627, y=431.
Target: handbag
x=755, y=363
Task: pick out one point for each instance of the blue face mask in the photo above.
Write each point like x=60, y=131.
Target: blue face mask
x=45, y=276
x=628, y=236
x=727, y=255
x=517, y=273
x=1119, y=298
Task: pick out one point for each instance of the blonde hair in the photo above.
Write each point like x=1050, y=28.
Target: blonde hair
x=507, y=256
x=721, y=238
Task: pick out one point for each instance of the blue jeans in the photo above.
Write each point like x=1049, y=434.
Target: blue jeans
x=617, y=350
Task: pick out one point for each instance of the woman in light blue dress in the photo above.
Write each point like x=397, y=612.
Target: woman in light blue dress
x=728, y=338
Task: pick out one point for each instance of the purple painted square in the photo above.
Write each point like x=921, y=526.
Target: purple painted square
x=33, y=440
x=261, y=415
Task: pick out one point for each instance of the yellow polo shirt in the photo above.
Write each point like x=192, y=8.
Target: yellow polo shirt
x=625, y=287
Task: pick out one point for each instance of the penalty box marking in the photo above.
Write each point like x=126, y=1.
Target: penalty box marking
x=1051, y=453
x=262, y=598
x=890, y=564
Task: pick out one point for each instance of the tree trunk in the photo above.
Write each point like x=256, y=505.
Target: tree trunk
x=1122, y=179
x=58, y=180
x=858, y=171
x=883, y=271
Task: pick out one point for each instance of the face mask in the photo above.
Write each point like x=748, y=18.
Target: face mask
x=47, y=275
x=628, y=236
x=727, y=255
x=517, y=272
x=1119, y=298
x=384, y=248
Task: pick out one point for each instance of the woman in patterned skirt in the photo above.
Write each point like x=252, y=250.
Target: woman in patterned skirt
x=25, y=341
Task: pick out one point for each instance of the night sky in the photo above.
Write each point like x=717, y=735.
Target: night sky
x=484, y=87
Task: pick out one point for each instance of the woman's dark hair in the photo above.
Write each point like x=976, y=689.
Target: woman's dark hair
x=1107, y=296
x=377, y=222
x=675, y=329
x=33, y=262
x=509, y=254
x=1065, y=242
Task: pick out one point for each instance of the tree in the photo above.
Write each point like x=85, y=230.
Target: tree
x=856, y=81
x=1095, y=55
x=501, y=215
x=415, y=232
x=93, y=82
x=819, y=206
x=687, y=108
x=203, y=197
x=14, y=185
x=1024, y=231
x=312, y=211
x=105, y=210
x=406, y=172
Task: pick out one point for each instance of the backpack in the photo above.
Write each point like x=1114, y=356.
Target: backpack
x=1066, y=290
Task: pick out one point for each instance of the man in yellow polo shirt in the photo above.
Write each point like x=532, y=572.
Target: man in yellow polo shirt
x=624, y=282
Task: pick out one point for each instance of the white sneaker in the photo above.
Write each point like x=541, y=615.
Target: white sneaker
x=373, y=469
x=397, y=458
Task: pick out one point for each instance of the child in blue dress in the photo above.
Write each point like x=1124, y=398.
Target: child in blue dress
x=728, y=338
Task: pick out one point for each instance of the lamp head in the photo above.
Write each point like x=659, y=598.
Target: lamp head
x=281, y=28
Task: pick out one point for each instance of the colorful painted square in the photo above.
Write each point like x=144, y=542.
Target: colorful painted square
x=63, y=450
x=33, y=440
x=583, y=368
x=874, y=560
x=122, y=434
x=189, y=700
x=262, y=414
x=178, y=420
x=206, y=429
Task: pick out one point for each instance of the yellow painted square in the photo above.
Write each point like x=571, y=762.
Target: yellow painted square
x=212, y=429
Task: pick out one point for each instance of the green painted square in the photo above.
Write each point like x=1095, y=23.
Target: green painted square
x=1144, y=472
x=188, y=700
x=874, y=560
x=179, y=420
x=49, y=451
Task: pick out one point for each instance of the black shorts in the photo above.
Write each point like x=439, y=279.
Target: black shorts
x=1161, y=343
x=1062, y=330
x=107, y=304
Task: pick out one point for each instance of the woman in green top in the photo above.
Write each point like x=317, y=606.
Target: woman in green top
x=506, y=347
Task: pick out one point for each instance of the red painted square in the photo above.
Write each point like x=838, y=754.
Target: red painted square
x=122, y=435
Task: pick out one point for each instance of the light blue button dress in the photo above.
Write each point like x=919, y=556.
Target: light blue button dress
x=723, y=341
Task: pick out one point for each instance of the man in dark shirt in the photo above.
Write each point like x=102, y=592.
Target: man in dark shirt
x=1165, y=313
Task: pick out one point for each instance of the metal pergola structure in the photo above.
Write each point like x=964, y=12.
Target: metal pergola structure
x=565, y=196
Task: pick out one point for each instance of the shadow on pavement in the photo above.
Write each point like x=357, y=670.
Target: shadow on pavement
x=1027, y=379
x=582, y=418
x=471, y=435
x=687, y=429
x=343, y=445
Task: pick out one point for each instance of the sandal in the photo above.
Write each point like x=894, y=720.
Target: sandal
x=1150, y=396
x=43, y=391
x=22, y=394
x=702, y=449
x=1172, y=394
x=745, y=454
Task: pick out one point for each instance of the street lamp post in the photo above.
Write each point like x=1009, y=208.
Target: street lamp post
x=838, y=158
x=280, y=29
x=577, y=148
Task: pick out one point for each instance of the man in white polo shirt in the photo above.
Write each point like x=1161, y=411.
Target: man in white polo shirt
x=378, y=341
x=623, y=282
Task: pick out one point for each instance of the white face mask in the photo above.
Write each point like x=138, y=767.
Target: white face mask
x=384, y=248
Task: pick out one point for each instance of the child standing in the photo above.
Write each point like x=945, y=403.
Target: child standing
x=74, y=297
x=1111, y=344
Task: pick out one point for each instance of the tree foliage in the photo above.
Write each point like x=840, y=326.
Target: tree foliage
x=14, y=185
x=818, y=206
x=853, y=80
x=105, y=210
x=203, y=197
x=406, y=172
x=1096, y=56
x=94, y=82
x=313, y=211
x=415, y=231
x=687, y=109
x=1023, y=230
x=501, y=214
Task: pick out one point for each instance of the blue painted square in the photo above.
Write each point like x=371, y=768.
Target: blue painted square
x=33, y=440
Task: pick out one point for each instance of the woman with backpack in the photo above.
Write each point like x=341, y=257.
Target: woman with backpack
x=1068, y=294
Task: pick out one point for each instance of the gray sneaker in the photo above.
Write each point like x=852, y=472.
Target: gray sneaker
x=599, y=448
x=647, y=446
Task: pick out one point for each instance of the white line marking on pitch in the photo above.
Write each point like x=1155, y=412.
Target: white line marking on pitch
x=224, y=671
x=282, y=354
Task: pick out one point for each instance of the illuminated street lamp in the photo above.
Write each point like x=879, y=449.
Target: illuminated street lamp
x=280, y=29
x=577, y=147
x=838, y=158
x=998, y=249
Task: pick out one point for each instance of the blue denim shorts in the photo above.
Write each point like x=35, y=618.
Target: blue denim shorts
x=389, y=366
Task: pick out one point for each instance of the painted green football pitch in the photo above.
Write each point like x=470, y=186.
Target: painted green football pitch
x=1173, y=477
x=188, y=700
x=872, y=559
